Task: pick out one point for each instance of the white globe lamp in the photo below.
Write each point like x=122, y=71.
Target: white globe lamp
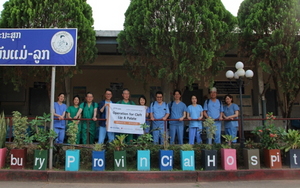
x=249, y=74
x=239, y=65
x=241, y=72
x=229, y=74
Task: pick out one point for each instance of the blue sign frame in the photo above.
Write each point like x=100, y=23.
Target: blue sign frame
x=38, y=47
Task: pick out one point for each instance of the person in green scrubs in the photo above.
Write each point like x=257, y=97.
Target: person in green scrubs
x=88, y=110
x=126, y=100
x=72, y=112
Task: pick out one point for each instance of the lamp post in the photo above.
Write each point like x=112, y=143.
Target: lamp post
x=239, y=75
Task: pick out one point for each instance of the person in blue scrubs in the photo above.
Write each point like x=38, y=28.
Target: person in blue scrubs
x=177, y=111
x=59, y=113
x=213, y=108
x=102, y=109
x=231, y=111
x=159, y=110
x=195, y=111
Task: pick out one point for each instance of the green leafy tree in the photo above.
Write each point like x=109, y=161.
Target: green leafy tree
x=269, y=35
x=50, y=14
x=175, y=41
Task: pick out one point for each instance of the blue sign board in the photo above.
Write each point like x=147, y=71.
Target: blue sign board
x=38, y=47
x=143, y=160
x=166, y=160
x=98, y=161
x=72, y=162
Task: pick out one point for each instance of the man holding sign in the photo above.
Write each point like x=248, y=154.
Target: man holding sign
x=126, y=100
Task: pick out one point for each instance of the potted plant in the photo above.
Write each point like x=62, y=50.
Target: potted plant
x=270, y=137
x=118, y=144
x=209, y=155
x=187, y=155
x=228, y=155
x=210, y=129
x=44, y=136
x=143, y=153
x=98, y=157
x=72, y=155
x=251, y=155
x=3, y=149
x=21, y=138
x=291, y=146
x=165, y=155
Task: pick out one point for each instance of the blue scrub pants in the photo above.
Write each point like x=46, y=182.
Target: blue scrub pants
x=158, y=135
x=231, y=131
x=194, y=132
x=102, y=135
x=60, y=135
x=176, y=128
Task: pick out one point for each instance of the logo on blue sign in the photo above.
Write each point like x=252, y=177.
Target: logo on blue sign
x=62, y=42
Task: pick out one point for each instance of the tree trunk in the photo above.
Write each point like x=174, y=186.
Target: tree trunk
x=262, y=91
x=67, y=91
x=67, y=88
x=165, y=86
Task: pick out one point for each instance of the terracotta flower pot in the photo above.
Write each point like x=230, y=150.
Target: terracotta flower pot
x=18, y=158
x=272, y=158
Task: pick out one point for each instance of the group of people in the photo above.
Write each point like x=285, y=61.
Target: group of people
x=158, y=112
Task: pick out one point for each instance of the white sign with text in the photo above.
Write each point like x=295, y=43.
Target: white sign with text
x=124, y=118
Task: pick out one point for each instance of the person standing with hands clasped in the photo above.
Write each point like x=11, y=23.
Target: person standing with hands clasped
x=159, y=110
x=177, y=111
x=195, y=111
x=59, y=113
x=213, y=108
x=231, y=111
x=89, y=111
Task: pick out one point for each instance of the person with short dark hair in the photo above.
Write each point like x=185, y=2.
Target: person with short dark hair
x=231, y=111
x=88, y=109
x=177, y=111
x=159, y=110
x=213, y=108
x=60, y=124
x=103, y=108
